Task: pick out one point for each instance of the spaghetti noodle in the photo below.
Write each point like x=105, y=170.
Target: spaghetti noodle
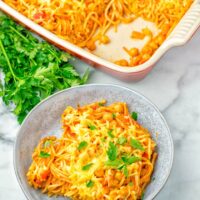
x=103, y=154
x=83, y=22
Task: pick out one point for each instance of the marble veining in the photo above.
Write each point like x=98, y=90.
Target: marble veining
x=174, y=86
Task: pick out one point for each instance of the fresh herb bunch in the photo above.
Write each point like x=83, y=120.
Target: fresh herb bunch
x=33, y=69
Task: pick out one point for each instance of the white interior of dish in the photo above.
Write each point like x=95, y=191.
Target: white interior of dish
x=122, y=38
x=179, y=36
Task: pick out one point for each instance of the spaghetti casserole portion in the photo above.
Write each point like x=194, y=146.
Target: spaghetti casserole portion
x=103, y=153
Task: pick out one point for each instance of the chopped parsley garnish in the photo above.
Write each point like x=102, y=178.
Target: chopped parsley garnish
x=87, y=167
x=82, y=145
x=92, y=127
x=44, y=154
x=130, y=159
x=89, y=183
x=130, y=183
x=119, y=163
x=122, y=140
x=112, y=151
x=110, y=133
x=136, y=144
x=125, y=171
x=120, y=167
x=101, y=104
x=134, y=115
x=114, y=115
x=115, y=163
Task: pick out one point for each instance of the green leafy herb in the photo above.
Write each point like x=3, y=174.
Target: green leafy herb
x=82, y=145
x=119, y=163
x=92, y=127
x=136, y=144
x=112, y=151
x=134, y=115
x=87, y=167
x=125, y=161
x=121, y=167
x=125, y=170
x=114, y=115
x=33, y=69
x=44, y=154
x=130, y=159
x=101, y=104
x=115, y=163
x=1, y=89
x=122, y=140
x=130, y=183
x=110, y=133
x=89, y=183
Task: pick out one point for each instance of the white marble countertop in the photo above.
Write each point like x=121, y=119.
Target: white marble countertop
x=174, y=86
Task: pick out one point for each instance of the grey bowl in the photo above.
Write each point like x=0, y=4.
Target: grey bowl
x=44, y=120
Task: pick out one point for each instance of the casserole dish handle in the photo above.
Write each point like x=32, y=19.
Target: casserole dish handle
x=186, y=27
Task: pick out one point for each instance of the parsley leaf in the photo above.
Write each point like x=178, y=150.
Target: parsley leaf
x=92, y=127
x=130, y=159
x=134, y=116
x=87, y=167
x=136, y=144
x=125, y=170
x=89, y=183
x=110, y=133
x=115, y=163
x=1, y=89
x=122, y=140
x=121, y=167
x=82, y=145
x=44, y=154
x=112, y=151
x=114, y=115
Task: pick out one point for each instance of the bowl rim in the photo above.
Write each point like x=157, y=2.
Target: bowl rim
x=15, y=149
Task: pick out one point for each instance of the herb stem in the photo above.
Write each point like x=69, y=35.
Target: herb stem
x=33, y=61
x=18, y=33
x=8, y=61
x=58, y=59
